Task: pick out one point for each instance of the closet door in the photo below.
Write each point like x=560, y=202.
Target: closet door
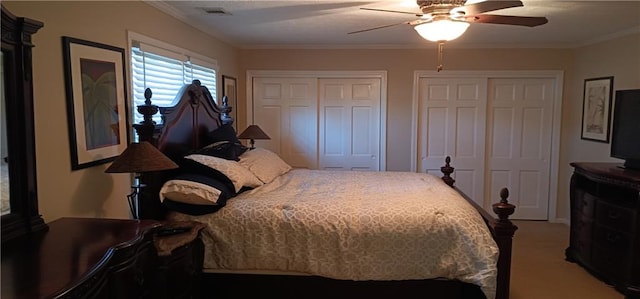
x=286, y=109
x=519, y=143
x=451, y=122
x=349, y=123
x=498, y=132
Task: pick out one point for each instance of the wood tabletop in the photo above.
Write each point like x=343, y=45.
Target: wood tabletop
x=42, y=265
x=609, y=170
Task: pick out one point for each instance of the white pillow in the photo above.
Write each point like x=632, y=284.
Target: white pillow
x=190, y=192
x=239, y=176
x=264, y=164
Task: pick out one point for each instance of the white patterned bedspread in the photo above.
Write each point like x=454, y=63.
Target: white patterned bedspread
x=372, y=226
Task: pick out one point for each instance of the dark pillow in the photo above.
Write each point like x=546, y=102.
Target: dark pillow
x=223, y=133
x=188, y=166
x=190, y=209
x=223, y=149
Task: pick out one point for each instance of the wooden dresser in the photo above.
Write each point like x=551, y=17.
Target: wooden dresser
x=99, y=258
x=605, y=224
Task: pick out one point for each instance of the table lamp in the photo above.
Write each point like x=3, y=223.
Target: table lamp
x=253, y=132
x=139, y=158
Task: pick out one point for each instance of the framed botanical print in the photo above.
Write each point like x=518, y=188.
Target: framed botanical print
x=230, y=90
x=596, y=109
x=96, y=101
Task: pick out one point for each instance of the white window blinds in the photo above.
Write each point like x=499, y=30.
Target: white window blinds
x=165, y=72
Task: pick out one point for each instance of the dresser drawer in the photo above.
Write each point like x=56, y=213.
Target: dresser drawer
x=588, y=203
x=133, y=277
x=581, y=240
x=181, y=271
x=616, y=217
x=609, y=264
x=616, y=242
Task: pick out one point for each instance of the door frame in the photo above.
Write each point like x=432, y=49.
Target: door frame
x=379, y=74
x=558, y=77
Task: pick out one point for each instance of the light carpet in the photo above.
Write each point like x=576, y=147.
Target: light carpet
x=539, y=269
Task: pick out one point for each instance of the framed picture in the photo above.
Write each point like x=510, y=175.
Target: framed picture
x=230, y=90
x=596, y=109
x=96, y=101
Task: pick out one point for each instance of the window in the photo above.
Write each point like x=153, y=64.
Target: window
x=165, y=69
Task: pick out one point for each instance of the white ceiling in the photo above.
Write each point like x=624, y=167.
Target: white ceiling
x=325, y=23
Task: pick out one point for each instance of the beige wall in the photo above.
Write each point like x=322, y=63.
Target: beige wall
x=616, y=57
x=400, y=65
x=619, y=58
x=90, y=192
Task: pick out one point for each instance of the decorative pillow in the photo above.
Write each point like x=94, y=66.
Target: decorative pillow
x=239, y=176
x=264, y=164
x=197, y=189
x=223, y=149
x=191, y=166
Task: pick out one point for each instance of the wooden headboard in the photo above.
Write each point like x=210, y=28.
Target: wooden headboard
x=184, y=127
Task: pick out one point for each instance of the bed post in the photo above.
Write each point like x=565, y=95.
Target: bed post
x=447, y=170
x=147, y=130
x=502, y=229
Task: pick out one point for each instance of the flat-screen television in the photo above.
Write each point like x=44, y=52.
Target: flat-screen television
x=625, y=137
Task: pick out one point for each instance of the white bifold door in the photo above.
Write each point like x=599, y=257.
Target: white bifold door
x=287, y=110
x=451, y=117
x=498, y=132
x=349, y=124
x=320, y=123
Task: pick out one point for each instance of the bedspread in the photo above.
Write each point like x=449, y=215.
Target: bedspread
x=354, y=226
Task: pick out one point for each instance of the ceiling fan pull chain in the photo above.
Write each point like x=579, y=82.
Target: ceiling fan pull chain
x=440, y=48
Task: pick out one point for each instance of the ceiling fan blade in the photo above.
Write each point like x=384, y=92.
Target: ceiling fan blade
x=508, y=20
x=379, y=27
x=394, y=11
x=485, y=6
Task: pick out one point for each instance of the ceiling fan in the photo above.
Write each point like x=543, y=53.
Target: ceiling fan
x=460, y=14
x=445, y=20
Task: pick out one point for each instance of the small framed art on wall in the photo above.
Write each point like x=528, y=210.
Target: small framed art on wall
x=596, y=109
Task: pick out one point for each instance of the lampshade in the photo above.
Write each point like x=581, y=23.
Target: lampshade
x=141, y=157
x=253, y=132
x=441, y=30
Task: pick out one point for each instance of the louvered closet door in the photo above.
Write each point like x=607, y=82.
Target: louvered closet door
x=519, y=143
x=349, y=127
x=451, y=122
x=286, y=109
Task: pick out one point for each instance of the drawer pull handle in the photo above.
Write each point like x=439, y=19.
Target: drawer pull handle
x=614, y=215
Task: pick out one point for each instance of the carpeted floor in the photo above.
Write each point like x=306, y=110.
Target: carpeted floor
x=539, y=270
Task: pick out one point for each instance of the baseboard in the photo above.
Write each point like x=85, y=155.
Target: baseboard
x=560, y=220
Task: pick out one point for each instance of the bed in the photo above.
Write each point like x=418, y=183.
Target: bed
x=299, y=233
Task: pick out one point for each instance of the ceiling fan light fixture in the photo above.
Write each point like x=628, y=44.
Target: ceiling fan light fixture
x=441, y=30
